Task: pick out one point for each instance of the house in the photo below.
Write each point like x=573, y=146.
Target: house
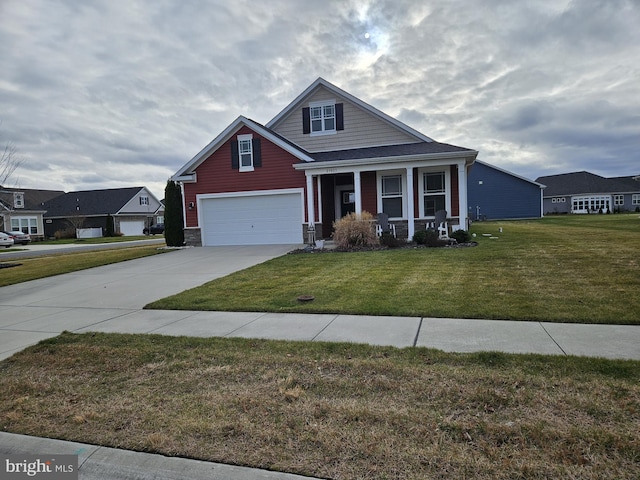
x=584, y=192
x=132, y=209
x=22, y=209
x=496, y=194
x=324, y=155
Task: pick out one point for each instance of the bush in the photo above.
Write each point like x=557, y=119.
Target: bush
x=461, y=236
x=355, y=231
x=66, y=233
x=389, y=241
x=428, y=238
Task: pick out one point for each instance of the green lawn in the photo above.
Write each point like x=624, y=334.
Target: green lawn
x=566, y=268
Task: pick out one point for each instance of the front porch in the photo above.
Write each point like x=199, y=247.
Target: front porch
x=409, y=192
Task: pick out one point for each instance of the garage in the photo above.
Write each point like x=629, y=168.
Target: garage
x=131, y=227
x=252, y=218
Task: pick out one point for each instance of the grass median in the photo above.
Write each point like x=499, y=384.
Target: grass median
x=331, y=410
x=26, y=269
x=582, y=269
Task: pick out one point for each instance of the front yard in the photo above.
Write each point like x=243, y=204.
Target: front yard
x=561, y=269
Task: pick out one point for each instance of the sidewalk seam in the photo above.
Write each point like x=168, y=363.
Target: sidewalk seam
x=553, y=339
x=415, y=340
x=324, y=328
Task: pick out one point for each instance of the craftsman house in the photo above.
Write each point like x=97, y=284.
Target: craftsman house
x=326, y=154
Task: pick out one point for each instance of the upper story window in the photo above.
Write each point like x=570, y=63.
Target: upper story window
x=144, y=200
x=323, y=118
x=245, y=153
x=18, y=200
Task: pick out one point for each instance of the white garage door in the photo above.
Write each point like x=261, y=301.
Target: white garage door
x=265, y=219
x=131, y=227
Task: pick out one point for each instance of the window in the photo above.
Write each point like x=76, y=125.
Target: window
x=25, y=224
x=590, y=204
x=322, y=118
x=246, y=153
x=144, y=200
x=18, y=200
x=618, y=200
x=635, y=199
x=434, y=193
x=392, y=195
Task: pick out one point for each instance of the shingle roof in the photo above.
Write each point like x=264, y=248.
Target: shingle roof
x=33, y=199
x=90, y=202
x=421, y=148
x=586, y=183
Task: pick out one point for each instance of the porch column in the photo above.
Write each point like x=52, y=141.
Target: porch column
x=319, y=186
x=462, y=189
x=311, y=208
x=358, y=191
x=410, y=205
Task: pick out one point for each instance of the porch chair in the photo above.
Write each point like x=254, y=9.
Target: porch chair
x=383, y=225
x=441, y=225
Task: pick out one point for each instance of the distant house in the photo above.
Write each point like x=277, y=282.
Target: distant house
x=22, y=209
x=326, y=154
x=132, y=209
x=584, y=192
x=494, y=194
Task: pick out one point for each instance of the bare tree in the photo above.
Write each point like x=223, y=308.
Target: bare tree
x=9, y=161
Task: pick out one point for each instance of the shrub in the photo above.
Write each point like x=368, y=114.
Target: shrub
x=66, y=233
x=461, y=236
x=355, y=231
x=428, y=238
x=389, y=241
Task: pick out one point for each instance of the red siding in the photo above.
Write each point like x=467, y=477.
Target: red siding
x=215, y=174
x=369, y=193
x=455, y=192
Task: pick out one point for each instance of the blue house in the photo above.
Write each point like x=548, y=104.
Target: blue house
x=495, y=194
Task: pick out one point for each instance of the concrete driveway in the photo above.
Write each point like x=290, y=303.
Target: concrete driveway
x=32, y=311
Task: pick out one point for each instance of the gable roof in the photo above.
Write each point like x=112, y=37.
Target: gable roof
x=186, y=172
x=586, y=183
x=33, y=198
x=90, y=202
x=338, y=91
x=541, y=185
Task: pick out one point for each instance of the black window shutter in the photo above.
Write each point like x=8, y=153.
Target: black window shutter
x=339, y=117
x=306, y=120
x=257, y=152
x=235, y=157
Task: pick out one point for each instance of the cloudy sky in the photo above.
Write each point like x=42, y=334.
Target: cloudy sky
x=110, y=93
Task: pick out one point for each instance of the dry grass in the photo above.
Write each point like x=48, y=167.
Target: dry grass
x=331, y=410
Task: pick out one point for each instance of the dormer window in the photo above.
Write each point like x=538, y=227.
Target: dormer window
x=322, y=118
x=18, y=200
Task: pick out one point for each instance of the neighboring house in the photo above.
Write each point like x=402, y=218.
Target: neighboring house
x=496, y=194
x=326, y=154
x=132, y=209
x=584, y=192
x=22, y=209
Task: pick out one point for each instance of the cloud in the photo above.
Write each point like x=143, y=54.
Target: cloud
x=126, y=92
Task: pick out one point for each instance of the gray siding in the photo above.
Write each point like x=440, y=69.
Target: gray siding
x=361, y=128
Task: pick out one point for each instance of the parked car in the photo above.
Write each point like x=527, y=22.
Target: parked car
x=5, y=240
x=158, y=228
x=19, y=237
